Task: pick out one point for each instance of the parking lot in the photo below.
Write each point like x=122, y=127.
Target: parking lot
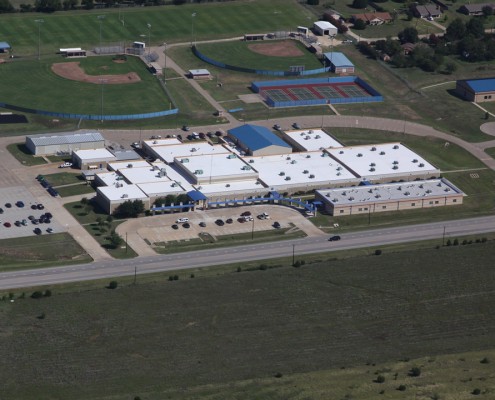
x=159, y=228
x=22, y=212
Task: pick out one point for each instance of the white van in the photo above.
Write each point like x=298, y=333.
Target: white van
x=182, y=220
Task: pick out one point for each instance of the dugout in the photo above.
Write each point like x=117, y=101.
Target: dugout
x=74, y=52
x=4, y=47
x=199, y=74
x=257, y=36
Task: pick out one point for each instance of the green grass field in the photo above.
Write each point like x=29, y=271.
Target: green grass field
x=23, y=155
x=50, y=92
x=41, y=251
x=326, y=329
x=239, y=54
x=168, y=24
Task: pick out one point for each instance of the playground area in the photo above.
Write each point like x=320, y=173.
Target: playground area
x=315, y=91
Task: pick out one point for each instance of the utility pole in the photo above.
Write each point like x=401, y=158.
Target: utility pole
x=293, y=254
x=39, y=22
x=100, y=19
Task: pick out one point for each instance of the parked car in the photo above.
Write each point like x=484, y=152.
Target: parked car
x=246, y=214
x=49, y=230
x=186, y=225
x=264, y=216
x=219, y=222
x=1, y=210
x=241, y=220
x=276, y=225
x=295, y=125
x=8, y=205
x=7, y=224
x=185, y=128
x=20, y=204
x=33, y=207
x=182, y=220
x=65, y=165
x=334, y=238
x=175, y=226
x=277, y=127
x=229, y=221
x=37, y=231
x=48, y=215
x=40, y=206
x=31, y=217
x=248, y=218
x=17, y=223
x=24, y=222
x=202, y=224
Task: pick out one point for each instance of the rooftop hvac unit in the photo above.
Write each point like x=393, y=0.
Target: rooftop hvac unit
x=372, y=164
x=164, y=171
x=395, y=162
x=155, y=167
x=231, y=156
x=310, y=131
x=282, y=173
x=415, y=161
x=174, y=184
x=305, y=171
x=198, y=172
x=372, y=169
x=359, y=154
x=129, y=165
x=311, y=176
x=341, y=152
x=382, y=153
x=288, y=158
x=251, y=161
x=125, y=196
x=351, y=198
x=447, y=189
x=308, y=155
x=373, y=148
x=155, y=142
x=421, y=165
x=421, y=186
x=338, y=173
x=287, y=178
x=396, y=147
x=399, y=188
x=317, y=137
x=378, y=195
x=395, y=167
x=184, y=160
x=344, y=193
x=227, y=185
x=194, y=149
x=335, y=200
x=428, y=191
x=293, y=162
x=407, y=193
x=307, y=138
x=339, y=168
x=246, y=168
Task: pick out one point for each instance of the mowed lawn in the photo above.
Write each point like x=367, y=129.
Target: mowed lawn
x=32, y=84
x=239, y=54
x=168, y=23
x=166, y=339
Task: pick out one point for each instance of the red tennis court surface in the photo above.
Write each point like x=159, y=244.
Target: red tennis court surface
x=314, y=91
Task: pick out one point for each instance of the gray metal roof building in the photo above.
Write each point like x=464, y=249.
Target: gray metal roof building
x=44, y=144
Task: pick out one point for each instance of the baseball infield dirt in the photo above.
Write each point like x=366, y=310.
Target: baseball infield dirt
x=286, y=48
x=73, y=71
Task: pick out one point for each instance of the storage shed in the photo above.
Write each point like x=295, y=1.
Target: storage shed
x=339, y=63
x=323, y=28
x=258, y=140
x=45, y=144
x=476, y=90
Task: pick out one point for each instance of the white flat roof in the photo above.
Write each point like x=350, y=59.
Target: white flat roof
x=168, y=153
x=302, y=168
x=176, y=176
x=324, y=25
x=161, y=188
x=123, y=193
x=94, y=154
x=199, y=71
x=230, y=187
x=116, y=166
x=313, y=139
x=229, y=166
x=388, y=159
x=390, y=191
x=162, y=142
x=110, y=178
x=147, y=174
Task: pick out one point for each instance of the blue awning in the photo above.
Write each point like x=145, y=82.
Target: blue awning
x=196, y=195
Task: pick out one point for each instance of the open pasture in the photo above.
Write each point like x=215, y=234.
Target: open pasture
x=154, y=339
x=168, y=24
x=50, y=92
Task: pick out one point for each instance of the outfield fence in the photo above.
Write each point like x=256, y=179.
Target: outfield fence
x=220, y=64
x=92, y=117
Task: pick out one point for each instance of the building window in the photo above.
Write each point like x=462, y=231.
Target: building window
x=360, y=209
x=413, y=204
x=384, y=207
x=436, y=201
x=454, y=200
x=431, y=202
x=365, y=208
x=342, y=211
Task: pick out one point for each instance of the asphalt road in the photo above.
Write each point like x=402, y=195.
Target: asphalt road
x=227, y=255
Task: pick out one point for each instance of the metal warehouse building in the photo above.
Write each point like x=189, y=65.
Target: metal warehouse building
x=476, y=90
x=339, y=63
x=44, y=144
x=258, y=141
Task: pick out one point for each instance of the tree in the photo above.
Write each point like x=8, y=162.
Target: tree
x=475, y=27
x=113, y=285
x=359, y=25
x=47, y=6
x=6, y=7
x=130, y=209
x=409, y=35
x=115, y=240
x=456, y=30
x=415, y=372
x=313, y=2
x=450, y=68
x=487, y=11
x=87, y=4
x=360, y=4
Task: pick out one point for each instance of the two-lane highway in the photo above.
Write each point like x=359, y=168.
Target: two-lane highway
x=228, y=255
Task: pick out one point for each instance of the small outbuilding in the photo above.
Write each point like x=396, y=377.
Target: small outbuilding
x=476, y=90
x=92, y=159
x=258, y=141
x=46, y=144
x=199, y=74
x=339, y=63
x=324, y=28
x=4, y=47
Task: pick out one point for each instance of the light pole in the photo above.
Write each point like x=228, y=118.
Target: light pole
x=100, y=19
x=293, y=254
x=192, y=28
x=165, y=65
x=102, y=82
x=39, y=22
x=252, y=230
x=149, y=38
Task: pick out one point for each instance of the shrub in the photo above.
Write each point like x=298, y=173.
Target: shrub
x=483, y=240
x=192, y=276
x=239, y=269
x=380, y=379
x=263, y=267
x=47, y=293
x=415, y=371
x=37, y=295
x=402, y=388
x=170, y=278
x=297, y=264
x=485, y=361
x=113, y=285
x=278, y=375
x=456, y=242
x=42, y=316
x=449, y=243
x=378, y=252
x=476, y=392
x=176, y=277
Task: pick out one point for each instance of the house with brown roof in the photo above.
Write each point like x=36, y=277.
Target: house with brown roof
x=475, y=9
x=376, y=18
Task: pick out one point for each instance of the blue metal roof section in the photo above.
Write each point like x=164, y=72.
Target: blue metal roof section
x=4, y=46
x=481, y=85
x=256, y=137
x=196, y=195
x=338, y=59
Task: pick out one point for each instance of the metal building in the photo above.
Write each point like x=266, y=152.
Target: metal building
x=46, y=144
x=258, y=140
